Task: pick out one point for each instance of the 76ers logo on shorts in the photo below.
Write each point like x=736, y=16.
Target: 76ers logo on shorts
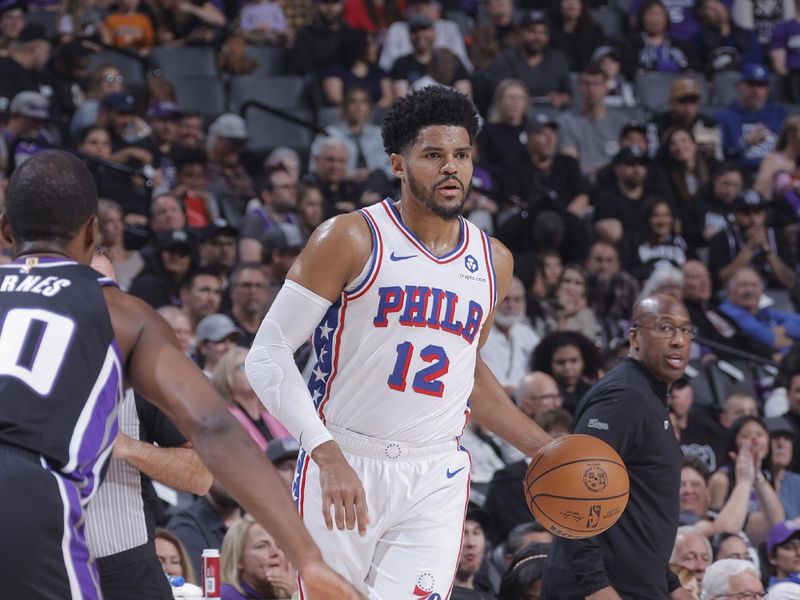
x=424, y=588
x=595, y=478
x=471, y=263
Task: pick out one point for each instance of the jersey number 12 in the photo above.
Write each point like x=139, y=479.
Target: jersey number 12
x=426, y=381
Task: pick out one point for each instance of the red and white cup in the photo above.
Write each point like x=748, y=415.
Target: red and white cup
x=211, y=576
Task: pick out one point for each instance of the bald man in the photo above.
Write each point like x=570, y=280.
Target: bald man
x=628, y=410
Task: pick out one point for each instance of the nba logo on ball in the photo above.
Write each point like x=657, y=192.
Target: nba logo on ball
x=577, y=486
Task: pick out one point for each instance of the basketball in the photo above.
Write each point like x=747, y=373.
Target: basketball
x=576, y=486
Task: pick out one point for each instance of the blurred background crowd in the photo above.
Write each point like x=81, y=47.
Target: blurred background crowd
x=628, y=147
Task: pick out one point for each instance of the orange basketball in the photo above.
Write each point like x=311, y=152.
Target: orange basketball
x=577, y=486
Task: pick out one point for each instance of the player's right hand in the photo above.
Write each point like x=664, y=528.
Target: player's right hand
x=321, y=583
x=341, y=489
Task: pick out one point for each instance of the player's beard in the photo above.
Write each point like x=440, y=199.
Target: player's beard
x=427, y=197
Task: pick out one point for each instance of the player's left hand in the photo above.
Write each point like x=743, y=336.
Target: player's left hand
x=340, y=488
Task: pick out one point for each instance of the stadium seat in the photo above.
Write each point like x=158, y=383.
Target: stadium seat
x=48, y=20
x=204, y=95
x=280, y=92
x=610, y=20
x=189, y=61
x=652, y=88
x=271, y=60
x=268, y=131
x=329, y=115
x=131, y=67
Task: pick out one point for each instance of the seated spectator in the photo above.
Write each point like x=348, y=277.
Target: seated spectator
x=397, y=42
x=166, y=215
x=229, y=181
x=191, y=131
x=543, y=70
x=776, y=179
x=191, y=170
x=654, y=47
x=201, y=294
x=620, y=91
x=543, y=184
x=749, y=435
x=163, y=118
x=783, y=549
x=263, y=22
x=282, y=245
x=585, y=133
x=692, y=551
x=356, y=66
x=525, y=571
x=185, y=23
x=619, y=206
x=318, y=42
x=732, y=545
x=251, y=294
x=160, y=282
x=216, y=249
x=575, y=33
x=67, y=71
x=180, y=325
x=569, y=310
x=684, y=111
x=612, y=292
x=722, y=45
x=21, y=69
x=787, y=483
x=129, y=131
x=172, y=556
x=713, y=211
x=444, y=69
x=252, y=565
x=329, y=174
x=656, y=242
x=278, y=197
x=572, y=360
x=310, y=210
x=372, y=17
x=500, y=140
x=510, y=344
x=785, y=56
x=283, y=453
x=12, y=21
x=751, y=123
x=232, y=384
x=24, y=134
x=784, y=388
x=762, y=16
x=127, y=263
x=686, y=168
x=732, y=578
x=665, y=279
x=128, y=28
x=473, y=551
x=104, y=80
x=679, y=402
x=683, y=24
x=494, y=33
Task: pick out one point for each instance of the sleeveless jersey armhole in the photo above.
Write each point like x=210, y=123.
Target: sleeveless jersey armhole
x=365, y=272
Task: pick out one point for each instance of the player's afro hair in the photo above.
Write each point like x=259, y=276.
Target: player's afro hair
x=433, y=105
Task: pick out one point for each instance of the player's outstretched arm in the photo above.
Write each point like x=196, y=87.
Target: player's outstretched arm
x=159, y=370
x=491, y=406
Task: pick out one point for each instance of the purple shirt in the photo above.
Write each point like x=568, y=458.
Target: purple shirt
x=228, y=592
x=786, y=36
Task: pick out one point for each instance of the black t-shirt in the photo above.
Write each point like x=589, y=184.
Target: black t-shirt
x=610, y=203
x=550, y=75
x=705, y=438
x=15, y=79
x=409, y=68
x=553, y=189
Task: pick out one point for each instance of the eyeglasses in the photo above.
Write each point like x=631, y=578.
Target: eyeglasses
x=744, y=595
x=114, y=78
x=667, y=331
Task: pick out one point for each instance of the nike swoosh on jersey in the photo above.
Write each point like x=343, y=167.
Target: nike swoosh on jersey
x=451, y=474
x=395, y=258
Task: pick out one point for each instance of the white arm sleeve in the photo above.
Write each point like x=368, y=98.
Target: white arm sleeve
x=270, y=366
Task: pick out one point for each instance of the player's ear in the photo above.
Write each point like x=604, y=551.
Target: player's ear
x=5, y=229
x=91, y=233
x=398, y=165
x=633, y=337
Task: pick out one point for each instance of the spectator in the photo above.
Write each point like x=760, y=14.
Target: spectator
x=230, y=182
x=685, y=166
x=657, y=243
x=688, y=582
x=665, y=279
x=252, y=565
x=191, y=168
x=494, y=33
x=612, y=291
x=679, y=402
x=180, y=325
x=692, y=551
x=775, y=180
x=66, y=73
x=311, y=210
x=543, y=70
x=444, y=70
x=160, y=282
x=129, y=28
x=127, y=264
x=793, y=414
x=762, y=16
x=732, y=578
x=713, y=211
x=172, y=556
x=104, y=80
x=191, y=131
x=12, y=22
x=765, y=510
x=619, y=206
x=251, y=295
x=283, y=453
x=655, y=48
x=783, y=548
x=544, y=184
x=568, y=310
x=537, y=393
x=372, y=17
x=732, y=545
x=510, y=344
x=397, y=42
x=166, y=214
x=357, y=66
x=330, y=176
x=282, y=246
x=575, y=33
x=620, y=91
x=263, y=22
x=684, y=111
x=585, y=134
x=21, y=70
x=277, y=193
x=787, y=483
x=118, y=114
x=722, y=45
x=185, y=23
x=473, y=550
x=215, y=335
x=201, y=295
x=750, y=124
x=500, y=140
x=318, y=43
x=525, y=571
x=784, y=56
x=572, y=360
x=24, y=135
x=683, y=24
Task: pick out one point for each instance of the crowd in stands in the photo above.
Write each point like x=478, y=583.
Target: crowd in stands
x=627, y=147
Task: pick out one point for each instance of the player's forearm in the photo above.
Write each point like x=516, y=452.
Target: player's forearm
x=494, y=410
x=179, y=468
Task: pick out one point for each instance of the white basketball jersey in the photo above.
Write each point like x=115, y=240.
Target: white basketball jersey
x=396, y=353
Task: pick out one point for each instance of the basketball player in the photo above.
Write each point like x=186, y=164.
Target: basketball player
x=70, y=341
x=398, y=298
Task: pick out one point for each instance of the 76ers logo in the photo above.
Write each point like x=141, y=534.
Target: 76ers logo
x=424, y=588
x=595, y=478
x=471, y=263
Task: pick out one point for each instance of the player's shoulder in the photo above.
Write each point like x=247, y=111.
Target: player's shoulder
x=503, y=263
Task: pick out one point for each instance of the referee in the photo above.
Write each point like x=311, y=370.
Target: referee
x=627, y=409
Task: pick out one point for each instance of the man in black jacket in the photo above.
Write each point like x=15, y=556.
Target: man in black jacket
x=627, y=409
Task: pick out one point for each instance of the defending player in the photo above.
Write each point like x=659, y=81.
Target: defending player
x=69, y=341
x=398, y=297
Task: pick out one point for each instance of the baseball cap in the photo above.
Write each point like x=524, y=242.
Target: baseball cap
x=230, y=126
x=630, y=155
x=163, y=109
x=749, y=200
x=755, y=73
x=219, y=227
x=419, y=22
x=284, y=236
x=30, y=104
x=633, y=126
x=6, y=5
x=33, y=32
x=534, y=17
x=540, y=121
x=777, y=425
x=602, y=51
x=282, y=449
x=684, y=87
x=173, y=240
x=120, y=102
x=215, y=328
x=781, y=533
